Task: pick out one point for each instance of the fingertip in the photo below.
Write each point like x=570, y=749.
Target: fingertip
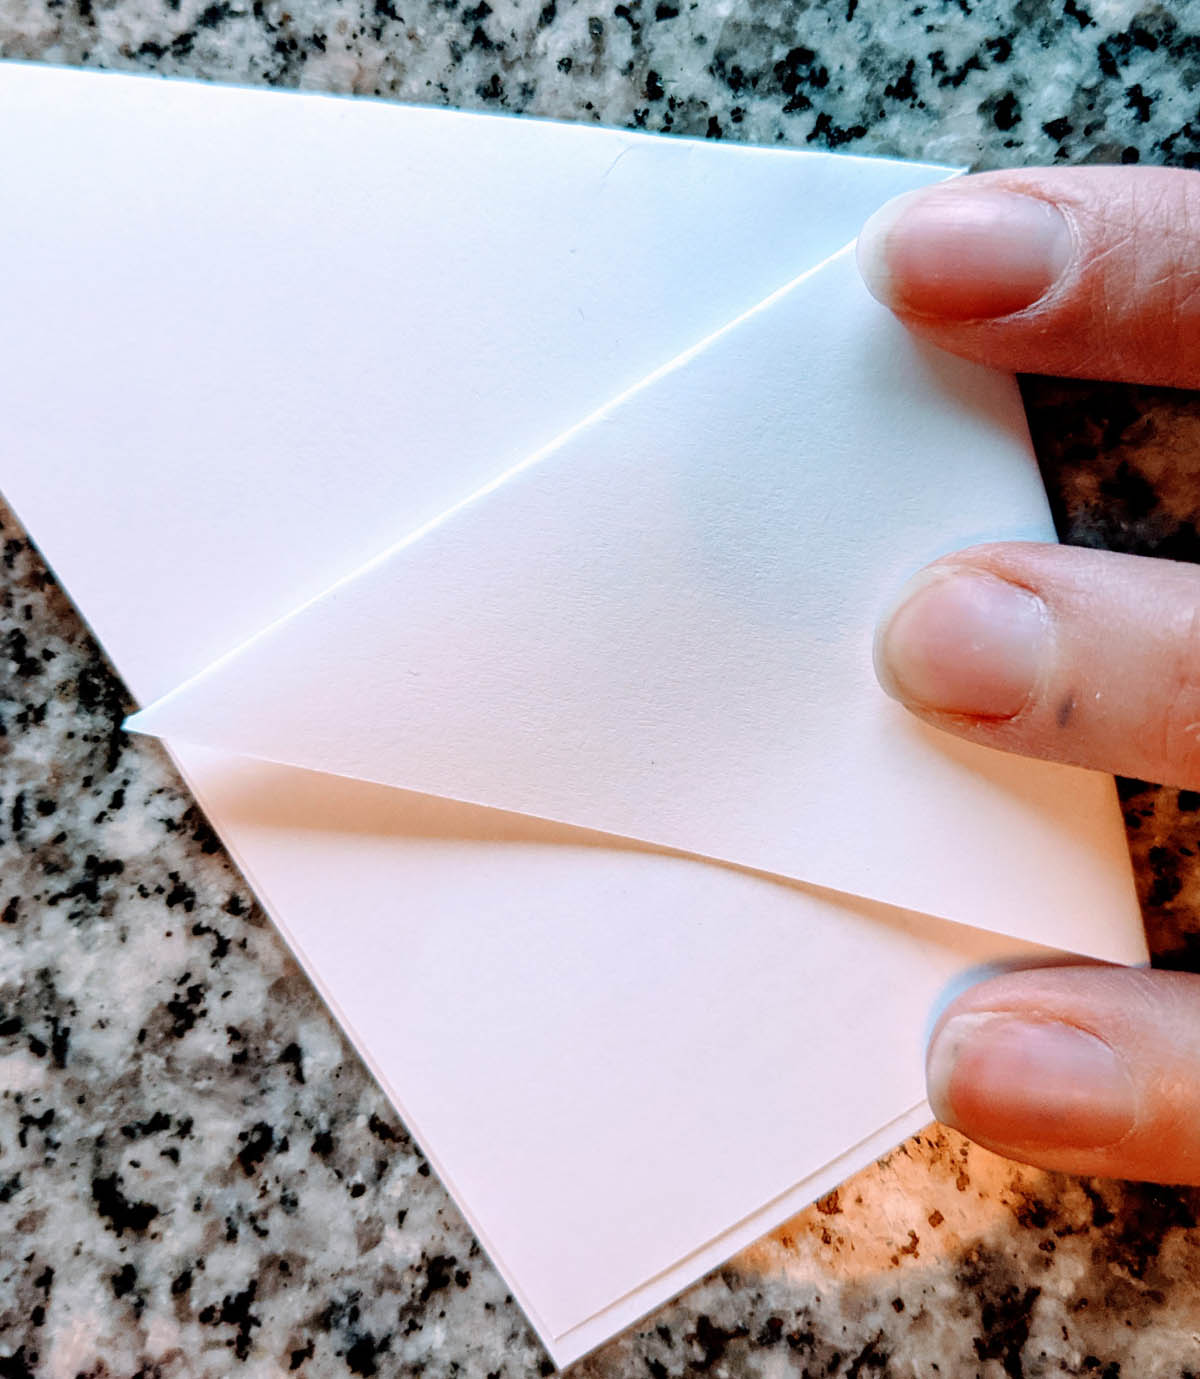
x=964, y=251
x=1088, y=1068
x=873, y=249
x=1026, y=1085
x=963, y=641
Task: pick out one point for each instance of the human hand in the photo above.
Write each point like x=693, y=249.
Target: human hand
x=1072, y=655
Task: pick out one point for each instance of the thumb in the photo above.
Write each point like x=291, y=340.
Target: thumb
x=1090, y=1070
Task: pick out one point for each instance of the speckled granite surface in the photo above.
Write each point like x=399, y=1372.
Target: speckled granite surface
x=196, y=1175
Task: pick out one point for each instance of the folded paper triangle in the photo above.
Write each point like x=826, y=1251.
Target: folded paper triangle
x=297, y=328
x=253, y=341
x=660, y=627
x=625, y=1064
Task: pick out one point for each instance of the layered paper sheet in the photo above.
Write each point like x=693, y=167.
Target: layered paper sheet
x=661, y=629
x=442, y=476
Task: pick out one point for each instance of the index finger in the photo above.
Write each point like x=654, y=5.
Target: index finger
x=1084, y=272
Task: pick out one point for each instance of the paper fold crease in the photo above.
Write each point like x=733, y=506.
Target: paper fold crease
x=659, y=627
x=252, y=337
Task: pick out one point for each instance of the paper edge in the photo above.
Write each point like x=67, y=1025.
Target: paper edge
x=624, y=1311
x=137, y=722
x=581, y=1339
x=644, y=136
x=1137, y=955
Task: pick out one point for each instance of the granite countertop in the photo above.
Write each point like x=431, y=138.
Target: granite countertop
x=197, y=1175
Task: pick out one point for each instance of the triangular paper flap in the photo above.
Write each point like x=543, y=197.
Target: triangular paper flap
x=201, y=302
x=585, y=1036
x=254, y=337
x=662, y=630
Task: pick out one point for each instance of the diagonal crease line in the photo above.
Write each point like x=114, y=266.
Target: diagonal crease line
x=543, y=452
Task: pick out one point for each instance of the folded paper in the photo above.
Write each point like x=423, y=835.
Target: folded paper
x=493, y=515
x=661, y=629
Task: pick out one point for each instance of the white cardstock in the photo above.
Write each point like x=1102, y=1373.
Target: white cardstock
x=493, y=516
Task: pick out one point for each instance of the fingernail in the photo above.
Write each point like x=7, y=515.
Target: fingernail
x=964, y=642
x=1018, y=1083
x=964, y=252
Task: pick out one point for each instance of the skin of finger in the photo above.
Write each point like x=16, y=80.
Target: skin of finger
x=1152, y=1021
x=1128, y=308
x=1119, y=688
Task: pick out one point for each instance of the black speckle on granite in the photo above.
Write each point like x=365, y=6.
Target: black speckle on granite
x=1006, y=1302
x=119, y=1212
x=985, y=84
x=257, y=1143
x=197, y=1177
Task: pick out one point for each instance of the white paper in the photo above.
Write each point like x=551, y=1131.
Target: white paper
x=291, y=328
x=614, y=1056
x=250, y=341
x=662, y=630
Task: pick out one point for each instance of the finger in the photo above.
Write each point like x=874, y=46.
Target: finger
x=1084, y=1070
x=1087, y=272
x=1072, y=655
